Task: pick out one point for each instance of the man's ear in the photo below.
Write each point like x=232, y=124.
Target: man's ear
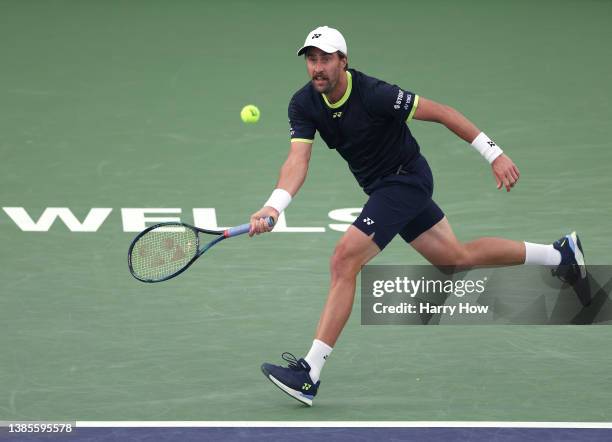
x=345, y=60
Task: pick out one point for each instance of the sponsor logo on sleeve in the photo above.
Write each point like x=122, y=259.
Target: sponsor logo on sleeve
x=408, y=101
x=398, y=100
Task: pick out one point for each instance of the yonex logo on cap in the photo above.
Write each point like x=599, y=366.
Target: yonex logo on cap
x=325, y=38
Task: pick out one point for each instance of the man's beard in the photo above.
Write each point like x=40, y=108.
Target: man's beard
x=326, y=88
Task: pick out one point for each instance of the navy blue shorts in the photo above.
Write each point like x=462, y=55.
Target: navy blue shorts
x=400, y=203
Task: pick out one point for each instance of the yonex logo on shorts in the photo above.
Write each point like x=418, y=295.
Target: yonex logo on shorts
x=368, y=221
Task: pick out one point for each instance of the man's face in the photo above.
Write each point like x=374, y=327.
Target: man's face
x=324, y=69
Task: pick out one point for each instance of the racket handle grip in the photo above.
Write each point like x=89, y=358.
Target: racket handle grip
x=244, y=228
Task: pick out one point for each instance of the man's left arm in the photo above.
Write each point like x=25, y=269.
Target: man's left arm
x=504, y=170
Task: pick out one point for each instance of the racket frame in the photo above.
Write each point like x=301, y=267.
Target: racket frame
x=200, y=251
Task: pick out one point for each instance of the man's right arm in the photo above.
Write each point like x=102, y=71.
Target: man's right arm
x=292, y=176
x=294, y=170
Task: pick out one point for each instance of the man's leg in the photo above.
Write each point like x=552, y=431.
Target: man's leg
x=352, y=252
x=301, y=379
x=440, y=246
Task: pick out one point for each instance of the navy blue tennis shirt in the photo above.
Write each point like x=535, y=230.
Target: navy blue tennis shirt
x=367, y=126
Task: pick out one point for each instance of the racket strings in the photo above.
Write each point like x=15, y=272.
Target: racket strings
x=161, y=253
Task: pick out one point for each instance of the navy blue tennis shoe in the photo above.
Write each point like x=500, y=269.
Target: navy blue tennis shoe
x=572, y=267
x=294, y=380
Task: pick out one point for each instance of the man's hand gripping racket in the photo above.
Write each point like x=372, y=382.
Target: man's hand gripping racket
x=165, y=250
x=259, y=219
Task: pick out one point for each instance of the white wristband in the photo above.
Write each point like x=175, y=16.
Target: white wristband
x=487, y=148
x=279, y=200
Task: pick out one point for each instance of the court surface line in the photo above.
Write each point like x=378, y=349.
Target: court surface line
x=342, y=424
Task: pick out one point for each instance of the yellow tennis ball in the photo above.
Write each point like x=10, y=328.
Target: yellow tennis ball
x=250, y=114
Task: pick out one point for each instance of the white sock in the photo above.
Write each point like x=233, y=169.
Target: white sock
x=543, y=254
x=316, y=358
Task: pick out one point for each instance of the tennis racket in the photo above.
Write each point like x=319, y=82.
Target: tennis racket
x=166, y=250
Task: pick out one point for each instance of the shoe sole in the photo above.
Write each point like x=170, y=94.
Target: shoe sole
x=297, y=395
x=573, y=240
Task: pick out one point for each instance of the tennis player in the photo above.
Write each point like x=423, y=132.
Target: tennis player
x=365, y=120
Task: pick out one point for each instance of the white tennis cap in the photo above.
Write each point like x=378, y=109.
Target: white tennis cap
x=325, y=38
